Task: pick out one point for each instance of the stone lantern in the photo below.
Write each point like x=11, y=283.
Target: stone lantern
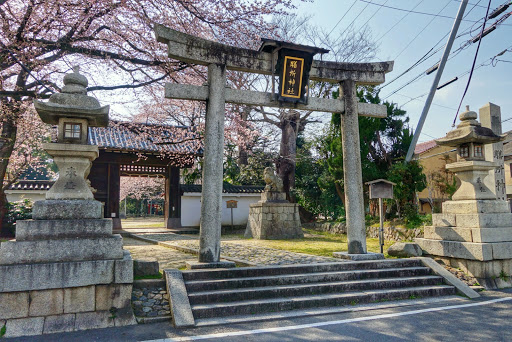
x=66, y=271
x=73, y=111
x=474, y=231
x=471, y=167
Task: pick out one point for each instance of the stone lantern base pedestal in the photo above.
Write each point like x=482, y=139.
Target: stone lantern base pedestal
x=475, y=236
x=273, y=217
x=66, y=271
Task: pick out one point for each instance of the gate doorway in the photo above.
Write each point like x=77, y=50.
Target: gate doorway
x=133, y=150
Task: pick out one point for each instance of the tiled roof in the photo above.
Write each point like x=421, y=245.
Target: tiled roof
x=146, y=138
x=226, y=188
x=424, y=147
x=35, y=185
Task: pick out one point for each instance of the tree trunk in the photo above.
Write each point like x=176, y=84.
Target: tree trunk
x=340, y=192
x=290, y=122
x=7, y=140
x=242, y=149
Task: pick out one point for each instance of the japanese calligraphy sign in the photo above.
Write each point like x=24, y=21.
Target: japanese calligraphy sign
x=292, y=77
x=293, y=69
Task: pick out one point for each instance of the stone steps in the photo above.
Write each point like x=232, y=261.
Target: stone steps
x=237, y=292
x=287, y=279
x=314, y=301
x=296, y=290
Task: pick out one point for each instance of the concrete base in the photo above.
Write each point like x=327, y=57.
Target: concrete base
x=196, y=265
x=358, y=257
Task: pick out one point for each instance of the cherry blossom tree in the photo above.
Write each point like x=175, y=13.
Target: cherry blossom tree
x=113, y=42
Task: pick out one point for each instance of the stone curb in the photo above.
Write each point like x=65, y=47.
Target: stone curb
x=461, y=287
x=141, y=283
x=149, y=320
x=179, y=304
x=188, y=250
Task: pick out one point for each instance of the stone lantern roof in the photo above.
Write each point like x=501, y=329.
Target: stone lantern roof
x=469, y=131
x=73, y=102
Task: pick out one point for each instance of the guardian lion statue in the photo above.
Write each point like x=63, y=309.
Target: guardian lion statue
x=273, y=181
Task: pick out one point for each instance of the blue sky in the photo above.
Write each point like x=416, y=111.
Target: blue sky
x=413, y=36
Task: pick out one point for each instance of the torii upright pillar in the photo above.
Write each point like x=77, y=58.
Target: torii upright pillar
x=211, y=195
x=354, y=202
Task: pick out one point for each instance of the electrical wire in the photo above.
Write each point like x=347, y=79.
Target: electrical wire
x=474, y=62
x=339, y=21
x=418, y=12
x=373, y=15
x=429, y=53
x=357, y=16
x=398, y=22
x=423, y=29
x=487, y=62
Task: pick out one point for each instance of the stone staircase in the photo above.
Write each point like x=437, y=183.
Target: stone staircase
x=258, y=290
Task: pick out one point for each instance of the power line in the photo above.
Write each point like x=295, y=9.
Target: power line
x=423, y=29
x=474, y=62
x=429, y=53
x=418, y=12
x=398, y=22
x=454, y=54
x=357, y=16
x=489, y=61
x=339, y=21
x=373, y=15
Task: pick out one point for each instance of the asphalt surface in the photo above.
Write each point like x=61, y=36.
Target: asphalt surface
x=488, y=318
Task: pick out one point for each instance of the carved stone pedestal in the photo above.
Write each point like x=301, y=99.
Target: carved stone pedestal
x=66, y=271
x=475, y=236
x=274, y=218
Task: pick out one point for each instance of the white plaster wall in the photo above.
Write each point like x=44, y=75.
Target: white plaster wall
x=191, y=208
x=17, y=195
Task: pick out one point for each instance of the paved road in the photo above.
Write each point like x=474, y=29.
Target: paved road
x=486, y=319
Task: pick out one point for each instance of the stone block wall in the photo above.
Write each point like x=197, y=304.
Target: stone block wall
x=50, y=311
x=274, y=220
x=390, y=233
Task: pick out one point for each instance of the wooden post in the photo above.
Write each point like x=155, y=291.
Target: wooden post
x=381, y=226
x=114, y=190
x=172, y=207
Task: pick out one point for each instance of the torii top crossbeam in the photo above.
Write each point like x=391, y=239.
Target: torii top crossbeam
x=195, y=50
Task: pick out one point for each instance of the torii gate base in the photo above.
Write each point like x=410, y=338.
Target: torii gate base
x=219, y=58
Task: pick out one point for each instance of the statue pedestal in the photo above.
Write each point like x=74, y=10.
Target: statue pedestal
x=273, y=217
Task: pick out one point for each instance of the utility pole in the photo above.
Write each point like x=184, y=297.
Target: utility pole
x=435, y=83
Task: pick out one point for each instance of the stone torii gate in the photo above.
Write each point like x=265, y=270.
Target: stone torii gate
x=219, y=58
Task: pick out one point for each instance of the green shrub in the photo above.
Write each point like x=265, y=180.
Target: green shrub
x=19, y=210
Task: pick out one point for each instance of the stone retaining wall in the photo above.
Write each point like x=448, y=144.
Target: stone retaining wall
x=390, y=233
x=66, y=309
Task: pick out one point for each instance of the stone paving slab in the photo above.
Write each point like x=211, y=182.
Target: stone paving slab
x=243, y=251
x=167, y=257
